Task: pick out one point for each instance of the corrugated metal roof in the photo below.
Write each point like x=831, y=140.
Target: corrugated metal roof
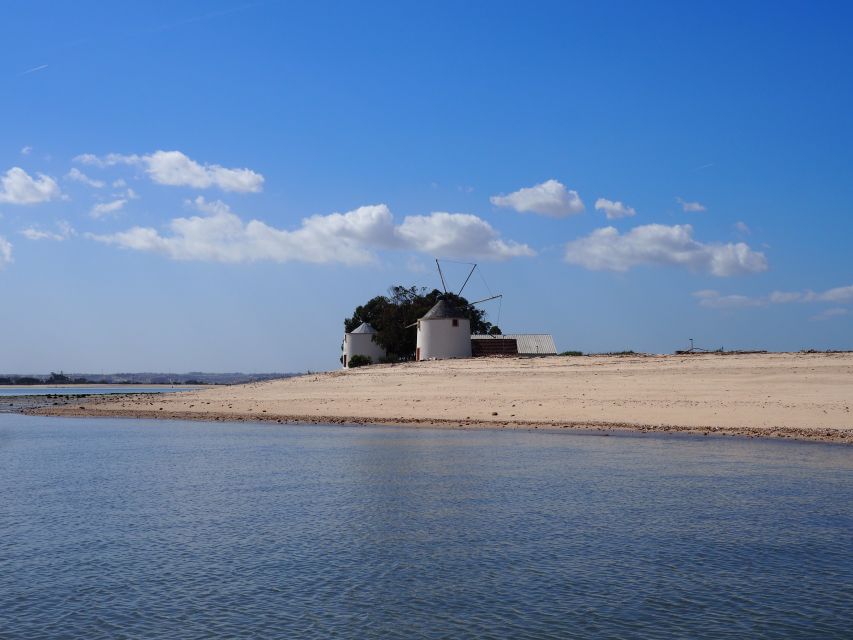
x=443, y=309
x=364, y=327
x=529, y=344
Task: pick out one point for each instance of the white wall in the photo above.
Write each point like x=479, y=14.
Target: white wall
x=362, y=344
x=440, y=339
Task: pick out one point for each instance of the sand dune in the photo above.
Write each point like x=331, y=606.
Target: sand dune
x=807, y=396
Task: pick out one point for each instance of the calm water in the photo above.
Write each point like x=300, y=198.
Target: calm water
x=26, y=390
x=145, y=529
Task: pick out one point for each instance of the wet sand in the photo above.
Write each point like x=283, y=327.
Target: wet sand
x=788, y=395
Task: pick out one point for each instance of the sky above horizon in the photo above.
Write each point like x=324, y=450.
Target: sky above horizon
x=214, y=186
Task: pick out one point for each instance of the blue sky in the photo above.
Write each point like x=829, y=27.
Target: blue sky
x=215, y=185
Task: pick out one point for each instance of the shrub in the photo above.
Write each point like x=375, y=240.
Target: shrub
x=572, y=353
x=359, y=361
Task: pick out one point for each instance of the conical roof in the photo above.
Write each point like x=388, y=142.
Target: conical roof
x=443, y=309
x=364, y=327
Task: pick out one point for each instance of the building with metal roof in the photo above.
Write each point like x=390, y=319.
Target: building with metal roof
x=527, y=344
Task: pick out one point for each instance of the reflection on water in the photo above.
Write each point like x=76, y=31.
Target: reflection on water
x=191, y=530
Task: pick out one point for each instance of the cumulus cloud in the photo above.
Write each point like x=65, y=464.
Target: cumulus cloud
x=78, y=176
x=457, y=235
x=350, y=238
x=5, y=252
x=551, y=198
x=691, y=207
x=614, y=210
x=18, y=187
x=656, y=244
x=106, y=208
x=177, y=169
x=64, y=231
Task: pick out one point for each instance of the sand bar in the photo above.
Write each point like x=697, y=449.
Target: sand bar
x=802, y=396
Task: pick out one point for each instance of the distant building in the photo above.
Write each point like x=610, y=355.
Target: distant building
x=360, y=342
x=525, y=344
x=443, y=332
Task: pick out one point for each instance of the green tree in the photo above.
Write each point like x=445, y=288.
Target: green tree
x=392, y=316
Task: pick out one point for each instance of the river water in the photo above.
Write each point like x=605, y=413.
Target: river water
x=44, y=390
x=168, y=529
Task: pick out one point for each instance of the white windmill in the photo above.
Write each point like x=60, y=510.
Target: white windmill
x=445, y=331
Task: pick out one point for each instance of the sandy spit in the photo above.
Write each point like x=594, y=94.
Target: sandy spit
x=785, y=395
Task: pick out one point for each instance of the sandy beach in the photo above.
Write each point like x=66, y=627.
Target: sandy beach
x=791, y=395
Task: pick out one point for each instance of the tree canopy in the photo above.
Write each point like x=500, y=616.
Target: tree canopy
x=391, y=315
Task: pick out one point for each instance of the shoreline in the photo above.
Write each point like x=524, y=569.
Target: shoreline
x=790, y=396
x=823, y=435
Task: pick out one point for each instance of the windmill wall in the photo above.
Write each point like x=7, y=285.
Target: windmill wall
x=361, y=344
x=442, y=338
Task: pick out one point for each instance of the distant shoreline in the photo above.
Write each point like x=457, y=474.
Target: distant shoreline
x=98, y=385
x=794, y=396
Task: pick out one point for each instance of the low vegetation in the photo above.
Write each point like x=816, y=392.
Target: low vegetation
x=359, y=361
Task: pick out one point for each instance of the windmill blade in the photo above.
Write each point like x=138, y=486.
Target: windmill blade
x=471, y=304
x=467, y=279
x=441, y=275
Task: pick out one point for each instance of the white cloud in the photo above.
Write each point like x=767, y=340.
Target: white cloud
x=221, y=236
x=65, y=231
x=5, y=252
x=835, y=312
x=25, y=151
x=838, y=295
x=177, y=169
x=118, y=184
x=92, y=159
x=656, y=244
x=713, y=300
x=742, y=227
x=18, y=187
x=106, y=208
x=705, y=294
x=415, y=266
x=614, y=209
x=78, y=176
x=783, y=297
x=31, y=233
x=551, y=198
x=33, y=70
x=349, y=238
x=691, y=207
x=457, y=235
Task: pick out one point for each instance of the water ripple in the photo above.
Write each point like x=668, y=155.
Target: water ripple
x=136, y=529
